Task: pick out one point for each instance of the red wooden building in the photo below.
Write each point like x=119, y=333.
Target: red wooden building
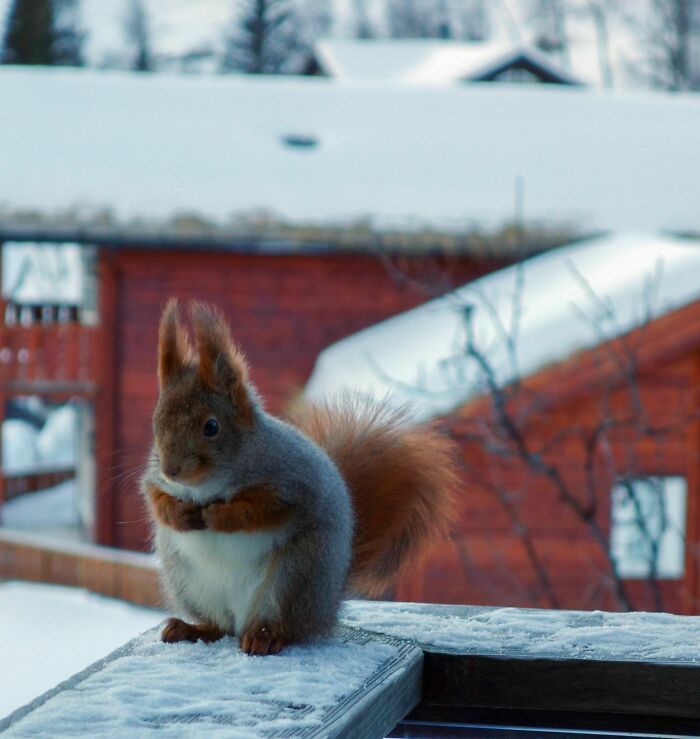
x=580, y=439
x=285, y=305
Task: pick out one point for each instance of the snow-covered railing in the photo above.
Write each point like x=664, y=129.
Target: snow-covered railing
x=390, y=669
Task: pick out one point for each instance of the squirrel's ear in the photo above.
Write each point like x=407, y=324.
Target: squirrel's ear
x=173, y=345
x=221, y=364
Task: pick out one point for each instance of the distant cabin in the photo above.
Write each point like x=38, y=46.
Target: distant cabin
x=429, y=61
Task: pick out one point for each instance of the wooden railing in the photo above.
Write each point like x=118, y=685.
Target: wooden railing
x=16, y=483
x=46, y=348
x=131, y=576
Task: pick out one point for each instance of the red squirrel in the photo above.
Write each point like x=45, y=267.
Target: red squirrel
x=262, y=526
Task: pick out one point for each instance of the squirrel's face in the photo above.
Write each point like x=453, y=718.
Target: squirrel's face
x=204, y=407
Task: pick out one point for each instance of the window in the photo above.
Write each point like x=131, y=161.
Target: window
x=51, y=275
x=647, y=530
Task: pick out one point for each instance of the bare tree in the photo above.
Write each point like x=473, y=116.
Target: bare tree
x=599, y=12
x=548, y=19
x=419, y=19
x=363, y=27
x=473, y=20
x=669, y=35
x=513, y=453
x=608, y=444
x=68, y=35
x=137, y=30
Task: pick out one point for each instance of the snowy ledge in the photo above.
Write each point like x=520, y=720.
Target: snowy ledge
x=640, y=671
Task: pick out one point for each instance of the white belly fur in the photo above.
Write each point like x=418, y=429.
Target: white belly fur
x=226, y=571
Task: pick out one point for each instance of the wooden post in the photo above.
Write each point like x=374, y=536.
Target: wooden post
x=692, y=524
x=105, y=402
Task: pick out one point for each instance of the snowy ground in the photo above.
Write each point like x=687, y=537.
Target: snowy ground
x=48, y=633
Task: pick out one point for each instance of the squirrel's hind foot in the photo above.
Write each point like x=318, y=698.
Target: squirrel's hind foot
x=261, y=641
x=176, y=630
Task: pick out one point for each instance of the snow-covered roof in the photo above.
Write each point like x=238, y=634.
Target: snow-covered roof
x=570, y=299
x=150, y=146
x=428, y=61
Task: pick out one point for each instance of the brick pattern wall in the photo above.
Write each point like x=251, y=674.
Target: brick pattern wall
x=487, y=563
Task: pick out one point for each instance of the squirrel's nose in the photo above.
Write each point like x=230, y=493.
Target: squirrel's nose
x=171, y=470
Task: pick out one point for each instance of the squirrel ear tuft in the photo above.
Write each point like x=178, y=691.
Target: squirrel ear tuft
x=173, y=344
x=221, y=363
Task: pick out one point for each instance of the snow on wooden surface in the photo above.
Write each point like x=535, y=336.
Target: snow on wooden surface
x=534, y=633
x=569, y=299
x=48, y=633
x=216, y=146
x=181, y=689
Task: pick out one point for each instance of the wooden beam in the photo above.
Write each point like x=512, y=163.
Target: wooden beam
x=386, y=677
x=106, y=401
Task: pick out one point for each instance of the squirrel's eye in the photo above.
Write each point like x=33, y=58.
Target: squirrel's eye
x=211, y=427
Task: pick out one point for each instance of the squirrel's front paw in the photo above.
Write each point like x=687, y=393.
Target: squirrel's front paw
x=177, y=514
x=224, y=517
x=176, y=630
x=261, y=641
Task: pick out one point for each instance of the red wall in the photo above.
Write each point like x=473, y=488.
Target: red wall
x=284, y=309
x=487, y=561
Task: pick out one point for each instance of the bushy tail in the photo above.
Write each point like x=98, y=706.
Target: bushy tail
x=402, y=479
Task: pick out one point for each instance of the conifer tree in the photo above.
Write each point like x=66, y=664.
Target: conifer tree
x=43, y=32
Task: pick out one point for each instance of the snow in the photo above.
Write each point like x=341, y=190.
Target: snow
x=26, y=449
x=424, y=61
x=56, y=443
x=53, y=511
x=448, y=156
x=215, y=688
x=638, y=636
x=19, y=445
x=47, y=633
x=417, y=357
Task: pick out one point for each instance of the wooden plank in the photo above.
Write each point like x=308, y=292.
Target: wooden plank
x=588, y=671
x=592, y=686
x=391, y=692
x=385, y=677
x=106, y=401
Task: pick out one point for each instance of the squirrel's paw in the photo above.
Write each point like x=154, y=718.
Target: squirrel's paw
x=176, y=630
x=182, y=516
x=219, y=516
x=261, y=641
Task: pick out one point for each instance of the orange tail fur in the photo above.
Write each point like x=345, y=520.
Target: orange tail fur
x=402, y=481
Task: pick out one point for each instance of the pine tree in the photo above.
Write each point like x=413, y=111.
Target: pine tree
x=43, y=32
x=29, y=33
x=261, y=37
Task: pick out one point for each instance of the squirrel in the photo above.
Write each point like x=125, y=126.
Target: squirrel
x=263, y=525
